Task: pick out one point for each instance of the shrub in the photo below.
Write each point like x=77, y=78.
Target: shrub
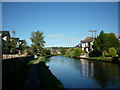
x=30, y=52
x=46, y=52
x=118, y=51
x=95, y=53
x=77, y=52
x=67, y=54
x=106, y=54
x=112, y=51
x=72, y=54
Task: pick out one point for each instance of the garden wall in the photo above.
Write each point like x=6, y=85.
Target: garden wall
x=11, y=65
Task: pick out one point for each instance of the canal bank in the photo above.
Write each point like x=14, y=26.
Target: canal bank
x=102, y=59
x=48, y=80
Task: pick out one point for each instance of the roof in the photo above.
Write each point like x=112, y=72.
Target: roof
x=5, y=33
x=87, y=39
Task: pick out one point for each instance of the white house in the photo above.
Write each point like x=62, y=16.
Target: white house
x=87, y=44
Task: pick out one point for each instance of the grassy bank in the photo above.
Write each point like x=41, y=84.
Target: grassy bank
x=17, y=79
x=100, y=58
x=49, y=81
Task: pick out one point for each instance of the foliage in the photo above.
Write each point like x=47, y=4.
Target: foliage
x=100, y=43
x=95, y=53
x=6, y=46
x=112, y=40
x=118, y=51
x=67, y=54
x=112, y=51
x=77, y=52
x=37, y=39
x=72, y=54
x=13, y=45
x=23, y=46
x=45, y=52
x=106, y=54
x=30, y=52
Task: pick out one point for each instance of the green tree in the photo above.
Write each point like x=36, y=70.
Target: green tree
x=77, y=52
x=67, y=54
x=112, y=40
x=72, y=54
x=112, y=51
x=37, y=39
x=23, y=46
x=6, y=46
x=100, y=43
x=13, y=45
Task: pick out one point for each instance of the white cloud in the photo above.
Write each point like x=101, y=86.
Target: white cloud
x=55, y=35
x=73, y=39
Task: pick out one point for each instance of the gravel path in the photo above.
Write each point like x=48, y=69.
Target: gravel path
x=33, y=81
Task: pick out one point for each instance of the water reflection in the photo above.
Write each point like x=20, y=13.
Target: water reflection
x=75, y=73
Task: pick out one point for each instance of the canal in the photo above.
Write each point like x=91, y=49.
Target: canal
x=79, y=73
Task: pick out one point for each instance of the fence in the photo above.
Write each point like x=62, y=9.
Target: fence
x=8, y=56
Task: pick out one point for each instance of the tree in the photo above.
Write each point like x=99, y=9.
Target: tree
x=77, y=52
x=37, y=39
x=112, y=51
x=112, y=40
x=22, y=46
x=13, y=45
x=67, y=54
x=100, y=43
x=6, y=46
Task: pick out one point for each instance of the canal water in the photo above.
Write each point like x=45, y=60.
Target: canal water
x=80, y=73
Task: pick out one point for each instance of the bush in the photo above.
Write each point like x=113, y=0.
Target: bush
x=112, y=51
x=118, y=51
x=67, y=54
x=45, y=52
x=30, y=52
x=77, y=52
x=95, y=53
x=72, y=54
x=106, y=54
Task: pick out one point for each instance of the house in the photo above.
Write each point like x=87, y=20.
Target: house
x=3, y=40
x=4, y=35
x=87, y=44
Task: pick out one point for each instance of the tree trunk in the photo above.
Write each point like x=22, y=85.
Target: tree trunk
x=103, y=54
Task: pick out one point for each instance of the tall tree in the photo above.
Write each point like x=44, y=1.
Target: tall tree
x=37, y=39
x=112, y=40
x=100, y=43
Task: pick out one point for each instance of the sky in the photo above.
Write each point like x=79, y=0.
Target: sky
x=63, y=23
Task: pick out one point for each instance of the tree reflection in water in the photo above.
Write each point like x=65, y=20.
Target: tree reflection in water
x=105, y=74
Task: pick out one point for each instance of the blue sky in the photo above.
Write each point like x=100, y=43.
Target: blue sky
x=63, y=23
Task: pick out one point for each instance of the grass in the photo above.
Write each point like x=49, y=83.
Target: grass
x=49, y=81
x=100, y=58
x=17, y=79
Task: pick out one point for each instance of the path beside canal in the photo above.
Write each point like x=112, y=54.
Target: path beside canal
x=33, y=80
